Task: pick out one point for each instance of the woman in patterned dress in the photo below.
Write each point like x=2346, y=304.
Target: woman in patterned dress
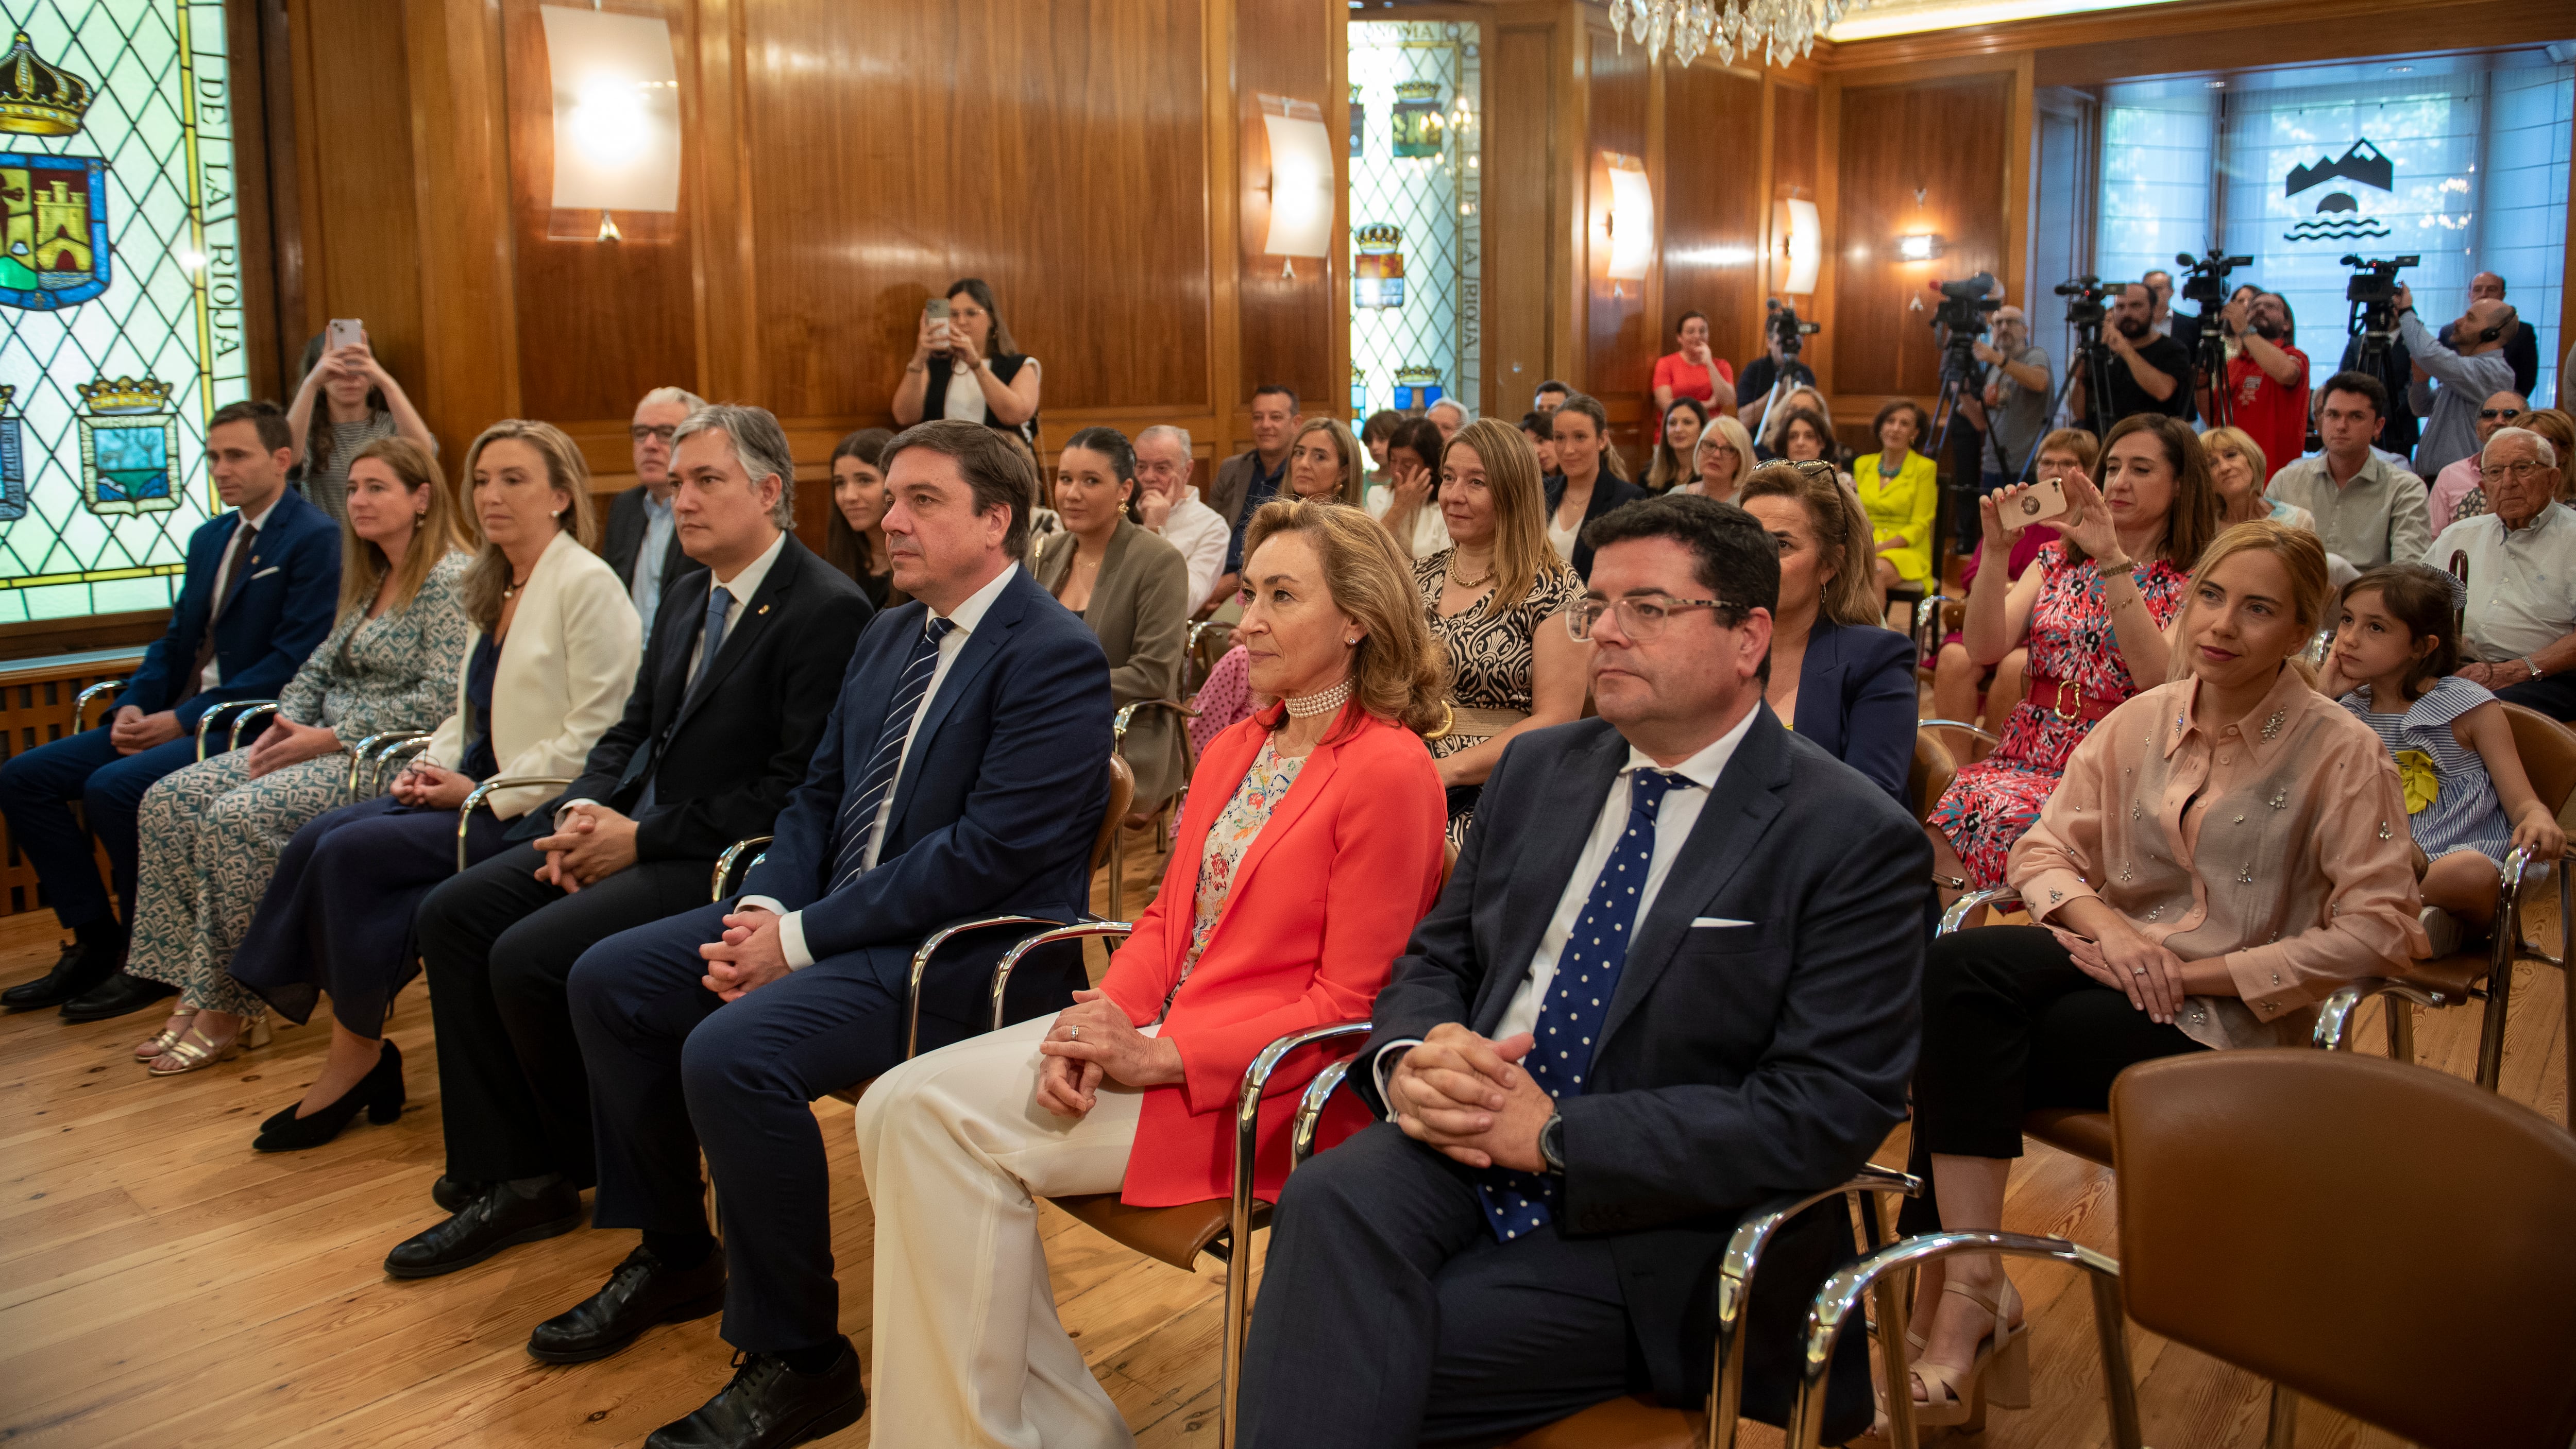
x=1512, y=666
x=2093, y=610
x=1316, y=831
x=213, y=831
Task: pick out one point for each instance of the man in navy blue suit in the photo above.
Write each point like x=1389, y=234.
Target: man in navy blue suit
x=263, y=582
x=963, y=773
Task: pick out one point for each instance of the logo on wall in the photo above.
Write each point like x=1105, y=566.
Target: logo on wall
x=13, y=458
x=128, y=440
x=1416, y=388
x=1419, y=130
x=2338, y=214
x=1377, y=279
x=53, y=209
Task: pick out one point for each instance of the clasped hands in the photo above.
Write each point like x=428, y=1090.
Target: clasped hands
x=425, y=786
x=132, y=731
x=591, y=842
x=1471, y=1099
x=2125, y=960
x=747, y=956
x=1092, y=1041
x=286, y=743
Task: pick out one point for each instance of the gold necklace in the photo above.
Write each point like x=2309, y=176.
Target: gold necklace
x=1462, y=581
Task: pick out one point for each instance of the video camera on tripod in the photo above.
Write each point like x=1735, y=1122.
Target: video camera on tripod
x=1961, y=319
x=1785, y=328
x=2372, y=291
x=2088, y=302
x=2205, y=280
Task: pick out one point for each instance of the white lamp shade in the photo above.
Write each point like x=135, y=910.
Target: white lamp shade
x=1632, y=221
x=1301, y=179
x=1802, y=238
x=617, y=111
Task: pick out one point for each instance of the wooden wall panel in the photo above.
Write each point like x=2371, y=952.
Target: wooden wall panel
x=1523, y=249
x=1712, y=213
x=1054, y=151
x=1793, y=140
x=469, y=343
x=1288, y=322
x=600, y=323
x=1620, y=341
x=1945, y=137
x=358, y=209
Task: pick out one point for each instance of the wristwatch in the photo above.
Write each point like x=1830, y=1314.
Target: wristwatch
x=1551, y=1143
x=2534, y=668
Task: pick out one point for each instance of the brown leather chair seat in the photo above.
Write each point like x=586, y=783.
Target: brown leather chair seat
x=2085, y=1134
x=2455, y=975
x=1174, y=1235
x=1627, y=1423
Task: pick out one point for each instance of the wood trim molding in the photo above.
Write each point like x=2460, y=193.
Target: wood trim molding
x=2336, y=27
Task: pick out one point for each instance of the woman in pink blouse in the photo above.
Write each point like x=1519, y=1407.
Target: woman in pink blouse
x=2224, y=852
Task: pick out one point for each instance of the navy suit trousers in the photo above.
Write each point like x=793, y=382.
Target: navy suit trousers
x=37, y=790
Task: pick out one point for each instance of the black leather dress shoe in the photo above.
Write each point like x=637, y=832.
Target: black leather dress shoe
x=500, y=1218
x=119, y=995
x=453, y=1193
x=771, y=1406
x=79, y=970
x=642, y=1292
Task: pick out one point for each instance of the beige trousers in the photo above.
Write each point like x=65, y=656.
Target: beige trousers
x=968, y=1348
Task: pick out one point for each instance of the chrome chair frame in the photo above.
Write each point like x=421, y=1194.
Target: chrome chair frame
x=248, y=709
x=1927, y=626
x=716, y=891
x=80, y=701
x=1074, y=931
x=400, y=752
x=1735, y=1287
x=474, y=797
x=1196, y=662
x=2334, y=1019
x=1842, y=1293
x=1118, y=727
x=365, y=756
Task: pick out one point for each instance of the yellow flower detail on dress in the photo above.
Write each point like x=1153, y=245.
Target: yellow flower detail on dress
x=2423, y=786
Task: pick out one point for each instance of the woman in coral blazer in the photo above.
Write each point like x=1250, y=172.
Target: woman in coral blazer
x=1311, y=843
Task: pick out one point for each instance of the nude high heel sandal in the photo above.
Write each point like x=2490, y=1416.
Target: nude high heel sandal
x=1999, y=1375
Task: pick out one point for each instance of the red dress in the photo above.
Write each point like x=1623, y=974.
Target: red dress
x=1677, y=372
x=1993, y=801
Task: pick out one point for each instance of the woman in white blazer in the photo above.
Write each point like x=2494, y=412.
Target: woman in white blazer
x=555, y=653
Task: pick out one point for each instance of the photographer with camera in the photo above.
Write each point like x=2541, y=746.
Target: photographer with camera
x=2267, y=378
x=2448, y=383
x=2141, y=371
x=2010, y=403
x=1776, y=370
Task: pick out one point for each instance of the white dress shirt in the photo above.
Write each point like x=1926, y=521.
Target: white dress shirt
x=214, y=674
x=2522, y=582
x=791, y=924
x=742, y=586
x=1201, y=534
x=649, y=556
x=1673, y=822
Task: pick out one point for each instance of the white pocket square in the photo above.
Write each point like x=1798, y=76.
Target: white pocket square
x=264, y=573
x=1700, y=921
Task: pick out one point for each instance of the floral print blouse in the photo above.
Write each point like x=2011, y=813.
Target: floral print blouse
x=1229, y=839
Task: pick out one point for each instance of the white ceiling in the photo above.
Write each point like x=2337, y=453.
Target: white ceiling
x=1906, y=17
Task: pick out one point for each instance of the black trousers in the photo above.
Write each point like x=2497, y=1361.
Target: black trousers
x=2554, y=696
x=499, y=945
x=2011, y=1025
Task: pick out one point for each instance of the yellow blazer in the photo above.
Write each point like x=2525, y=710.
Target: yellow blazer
x=1902, y=504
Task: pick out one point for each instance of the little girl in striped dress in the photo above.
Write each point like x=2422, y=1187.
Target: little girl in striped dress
x=2469, y=802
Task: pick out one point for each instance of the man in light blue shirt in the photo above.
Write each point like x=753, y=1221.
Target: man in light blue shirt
x=642, y=541
x=2451, y=381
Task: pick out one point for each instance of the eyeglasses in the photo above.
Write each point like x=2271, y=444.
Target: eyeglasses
x=666, y=432
x=2518, y=470
x=2508, y=414
x=1640, y=618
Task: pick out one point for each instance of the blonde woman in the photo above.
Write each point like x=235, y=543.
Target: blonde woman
x=1721, y=462
x=213, y=831
x=1326, y=464
x=1310, y=846
x=2237, y=471
x=556, y=642
x=1837, y=677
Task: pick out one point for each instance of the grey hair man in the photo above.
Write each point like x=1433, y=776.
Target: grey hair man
x=1448, y=415
x=643, y=540
x=2519, y=629
x=1171, y=507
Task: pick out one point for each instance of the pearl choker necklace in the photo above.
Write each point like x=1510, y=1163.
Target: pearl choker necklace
x=1323, y=701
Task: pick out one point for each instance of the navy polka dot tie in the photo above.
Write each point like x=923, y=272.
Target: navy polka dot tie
x=1578, y=998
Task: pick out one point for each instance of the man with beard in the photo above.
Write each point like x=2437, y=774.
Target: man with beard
x=2267, y=379
x=2144, y=372
x=2450, y=381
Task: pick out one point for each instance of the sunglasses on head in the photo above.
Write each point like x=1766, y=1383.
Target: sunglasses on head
x=2508, y=414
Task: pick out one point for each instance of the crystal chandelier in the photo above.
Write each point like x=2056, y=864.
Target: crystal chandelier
x=1782, y=30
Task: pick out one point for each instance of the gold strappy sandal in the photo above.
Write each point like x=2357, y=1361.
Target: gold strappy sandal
x=189, y=1056
x=168, y=1038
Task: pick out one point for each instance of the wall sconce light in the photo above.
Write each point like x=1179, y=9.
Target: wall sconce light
x=1630, y=225
x=1301, y=181
x=1920, y=246
x=616, y=112
x=1802, y=245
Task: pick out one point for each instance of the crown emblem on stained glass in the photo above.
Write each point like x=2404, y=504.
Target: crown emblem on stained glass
x=110, y=396
x=1379, y=236
x=1417, y=91
x=37, y=98
x=1417, y=376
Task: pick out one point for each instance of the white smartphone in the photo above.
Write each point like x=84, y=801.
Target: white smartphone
x=345, y=332
x=2045, y=500
x=937, y=311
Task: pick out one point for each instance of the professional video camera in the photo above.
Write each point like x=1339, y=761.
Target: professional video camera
x=2372, y=291
x=1787, y=330
x=2088, y=301
x=2205, y=280
x=1965, y=307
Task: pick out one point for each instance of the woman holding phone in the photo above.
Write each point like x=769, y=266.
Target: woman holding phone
x=2094, y=609
x=964, y=366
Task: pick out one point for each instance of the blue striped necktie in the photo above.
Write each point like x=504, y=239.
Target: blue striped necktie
x=1578, y=999
x=859, y=813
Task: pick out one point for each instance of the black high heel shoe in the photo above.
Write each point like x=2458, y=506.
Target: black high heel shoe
x=380, y=1092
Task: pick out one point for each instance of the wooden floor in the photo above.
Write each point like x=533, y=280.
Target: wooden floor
x=161, y=1285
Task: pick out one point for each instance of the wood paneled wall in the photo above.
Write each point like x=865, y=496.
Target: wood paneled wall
x=1621, y=330
x=1715, y=216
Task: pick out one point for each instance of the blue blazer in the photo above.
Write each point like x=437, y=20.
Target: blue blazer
x=283, y=610
x=1857, y=700
x=1758, y=1041
x=999, y=797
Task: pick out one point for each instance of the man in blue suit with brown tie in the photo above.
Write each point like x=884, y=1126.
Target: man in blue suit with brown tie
x=963, y=773
x=262, y=585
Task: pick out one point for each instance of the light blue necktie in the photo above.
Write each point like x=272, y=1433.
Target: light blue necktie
x=719, y=605
x=859, y=813
x=1578, y=999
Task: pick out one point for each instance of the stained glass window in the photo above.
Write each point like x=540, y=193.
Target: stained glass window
x=120, y=281
x=1416, y=166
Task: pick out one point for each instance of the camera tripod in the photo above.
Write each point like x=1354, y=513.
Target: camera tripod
x=2209, y=368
